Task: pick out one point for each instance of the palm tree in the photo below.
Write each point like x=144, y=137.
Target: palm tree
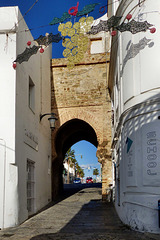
x=71, y=161
x=79, y=171
x=96, y=172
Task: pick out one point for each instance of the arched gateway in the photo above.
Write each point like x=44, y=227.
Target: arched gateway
x=81, y=102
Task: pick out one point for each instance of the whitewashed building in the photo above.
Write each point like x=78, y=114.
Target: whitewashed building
x=68, y=172
x=25, y=142
x=134, y=84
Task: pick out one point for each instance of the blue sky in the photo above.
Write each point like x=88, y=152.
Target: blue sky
x=89, y=159
x=44, y=11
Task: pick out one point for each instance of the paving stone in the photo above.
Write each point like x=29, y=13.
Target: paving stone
x=82, y=216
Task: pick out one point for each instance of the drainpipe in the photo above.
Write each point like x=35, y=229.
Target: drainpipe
x=4, y=180
x=41, y=81
x=159, y=212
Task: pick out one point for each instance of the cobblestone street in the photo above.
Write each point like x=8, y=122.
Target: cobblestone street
x=81, y=216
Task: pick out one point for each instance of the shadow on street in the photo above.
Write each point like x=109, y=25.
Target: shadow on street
x=68, y=191
x=96, y=220
x=71, y=189
x=80, y=214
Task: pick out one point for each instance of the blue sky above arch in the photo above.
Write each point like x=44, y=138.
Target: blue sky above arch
x=44, y=11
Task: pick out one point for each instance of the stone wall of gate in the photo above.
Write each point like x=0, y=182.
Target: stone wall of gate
x=82, y=93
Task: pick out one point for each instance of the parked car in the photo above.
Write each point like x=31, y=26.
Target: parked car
x=89, y=180
x=77, y=180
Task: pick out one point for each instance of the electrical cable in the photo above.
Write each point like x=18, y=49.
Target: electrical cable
x=31, y=29
x=24, y=14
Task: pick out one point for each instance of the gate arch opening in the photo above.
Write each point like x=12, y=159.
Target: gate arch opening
x=67, y=135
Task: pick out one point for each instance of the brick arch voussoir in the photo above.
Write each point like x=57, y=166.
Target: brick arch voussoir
x=84, y=115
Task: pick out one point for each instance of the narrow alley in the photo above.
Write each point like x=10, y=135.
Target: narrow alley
x=80, y=215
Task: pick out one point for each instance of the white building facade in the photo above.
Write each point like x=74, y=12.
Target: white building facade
x=134, y=84
x=68, y=172
x=25, y=142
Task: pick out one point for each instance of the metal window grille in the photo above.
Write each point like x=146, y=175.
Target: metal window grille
x=30, y=186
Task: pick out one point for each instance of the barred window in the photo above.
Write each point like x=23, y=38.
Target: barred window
x=30, y=186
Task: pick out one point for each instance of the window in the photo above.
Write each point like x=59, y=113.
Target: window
x=96, y=46
x=30, y=186
x=31, y=96
x=49, y=165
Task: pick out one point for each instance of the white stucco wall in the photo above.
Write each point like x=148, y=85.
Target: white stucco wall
x=136, y=111
x=71, y=169
x=140, y=168
x=22, y=136
x=8, y=202
x=100, y=42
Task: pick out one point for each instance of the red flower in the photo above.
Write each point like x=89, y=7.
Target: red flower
x=29, y=43
x=113, y=33
x=129, y=16
x=14, y=65
x=41, y=50
x=152, y=30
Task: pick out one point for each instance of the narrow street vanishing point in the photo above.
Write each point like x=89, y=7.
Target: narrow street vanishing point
x=80, y=215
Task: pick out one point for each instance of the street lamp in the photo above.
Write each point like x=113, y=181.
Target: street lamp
x=51, y=119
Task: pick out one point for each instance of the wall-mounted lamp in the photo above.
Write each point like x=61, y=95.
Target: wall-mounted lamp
x=115, y=139
x=51, y=119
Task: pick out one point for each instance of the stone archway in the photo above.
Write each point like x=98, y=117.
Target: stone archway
x=68, y=134
x=82, y=94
